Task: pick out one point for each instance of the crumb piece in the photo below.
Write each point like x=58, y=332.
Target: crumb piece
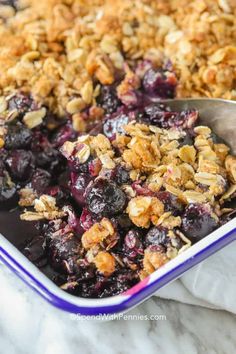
x=169, y=221
x=194, y=197
x=27, y=197
x=34, y=118
x=97, y=233
x=202, y=130
x=83, y=152
x=105, y=263
x=100, y=144
x=144, y=210
x=75, y=105
x=154, y=259
x=45, y=208
x=187, y=154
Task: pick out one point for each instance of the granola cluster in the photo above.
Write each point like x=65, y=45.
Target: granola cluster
x=62, y=51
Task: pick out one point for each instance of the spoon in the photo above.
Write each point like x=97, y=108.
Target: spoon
x=218, y=114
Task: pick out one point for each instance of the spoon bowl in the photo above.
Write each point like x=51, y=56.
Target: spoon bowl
x=213, y=112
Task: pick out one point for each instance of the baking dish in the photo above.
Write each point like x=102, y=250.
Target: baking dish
x=13, y=258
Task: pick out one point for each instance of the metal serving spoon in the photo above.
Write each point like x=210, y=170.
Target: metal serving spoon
x=218, y=114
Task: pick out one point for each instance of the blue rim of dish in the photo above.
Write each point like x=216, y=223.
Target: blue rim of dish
x=127, y=303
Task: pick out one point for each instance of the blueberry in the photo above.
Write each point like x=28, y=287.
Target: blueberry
x=18, y=137
x=46, y=156
x=114, y=124
x=157, y=235
x=161, y=116
x=123, y=222
x=104, y=197
x=133, y=246
x=156, y=113
x=118, y=283
x=159, y=83
x=78, y=186
x=50, y=159
x=20, y=164
x=75, y=165
x=63, y=134
x=85, y=272
x=34, y=250
x=86, y=219
x=108, y=99
x=73, y=220
x=40, y=180
x=60, y=243
x=60, y=249
x=171, y=202
x=119, y=175
x=198, y=222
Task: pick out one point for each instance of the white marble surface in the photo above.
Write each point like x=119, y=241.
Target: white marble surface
x=28, y=325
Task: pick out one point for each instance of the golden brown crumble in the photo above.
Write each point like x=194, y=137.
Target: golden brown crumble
x=144, y=210
x=45, y=208
x=59, y=49
x=27, y=197
x=105, y=263
x=153, y=259
x=97, y=233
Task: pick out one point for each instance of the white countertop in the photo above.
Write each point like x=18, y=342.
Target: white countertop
x=29, y=325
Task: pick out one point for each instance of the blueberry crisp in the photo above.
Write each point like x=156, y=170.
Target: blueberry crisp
x=116, y=202
x=115, y=183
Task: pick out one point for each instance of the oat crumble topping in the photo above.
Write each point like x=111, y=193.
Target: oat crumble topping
x=62, y=51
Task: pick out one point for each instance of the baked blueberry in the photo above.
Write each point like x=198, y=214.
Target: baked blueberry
x=171, y=202
x=62, y=134
x=198, y=221
x=104, y=198
x=18, y=137
x=159, y=83
x=79, y=184
x=35, y=251
x=133, y=246
x=40, y=180
x=157, y=235
x=114, y=124
x=20, y=164
x=108, y=99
